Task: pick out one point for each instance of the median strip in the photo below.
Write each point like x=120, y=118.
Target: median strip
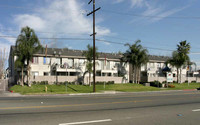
x=86, y=122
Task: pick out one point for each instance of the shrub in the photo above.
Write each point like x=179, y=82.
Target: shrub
x=110, y=82
x=107, y=83
x=43, y=83
x=171, y=86
x=66, y=82
x=99, y=83
x=186, y=81
x=34, y=82
x=194, y=81
x=156, y=84
x=40, y=83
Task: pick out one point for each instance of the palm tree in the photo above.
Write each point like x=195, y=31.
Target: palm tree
x=89, y=56
x=137, y=56
x=175, y=61
x=19, y=63
x=27, y=44
x=180, y=57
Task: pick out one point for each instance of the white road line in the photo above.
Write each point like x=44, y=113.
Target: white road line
x=85, y=122
x=196, y=110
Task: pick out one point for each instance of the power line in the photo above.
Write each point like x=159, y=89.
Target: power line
x=137, y=15
x=111, y=11
x=100, y=40
x=58, y=33
x=26, y=8
x=14, y=37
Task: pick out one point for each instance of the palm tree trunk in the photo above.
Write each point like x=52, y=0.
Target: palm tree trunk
x=89, y=78
x=139, y=72
x=135, y=74
x=177, y=75
x=22, y=77
x=180, y=75
x=28, y=75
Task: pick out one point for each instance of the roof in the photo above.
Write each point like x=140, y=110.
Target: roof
x=160, y=58
x=79, y=53
x=166, y=69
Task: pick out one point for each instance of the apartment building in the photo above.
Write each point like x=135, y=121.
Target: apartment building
x=60, y=65
x=155, y=71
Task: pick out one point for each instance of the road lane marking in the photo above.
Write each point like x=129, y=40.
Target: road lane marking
x=196, y=110
x=86, y=122
x=151, y=95
x=73, y=105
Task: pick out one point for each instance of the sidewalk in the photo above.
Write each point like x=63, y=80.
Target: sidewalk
x=10, y=94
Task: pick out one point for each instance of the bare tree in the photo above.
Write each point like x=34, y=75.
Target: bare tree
x=3, y=58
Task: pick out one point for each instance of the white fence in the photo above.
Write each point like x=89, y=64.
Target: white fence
x=76, y=79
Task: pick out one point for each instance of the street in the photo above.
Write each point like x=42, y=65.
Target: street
x=152, y=108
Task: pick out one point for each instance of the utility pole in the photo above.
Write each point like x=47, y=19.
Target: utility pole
x=94, y=33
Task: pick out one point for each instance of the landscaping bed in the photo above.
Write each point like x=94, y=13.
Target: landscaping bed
x=63, y=89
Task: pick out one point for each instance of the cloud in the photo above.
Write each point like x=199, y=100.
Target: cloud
x=137, y=3
x=5, y=42
x=60, y=16
x=134, y=3
x=168, y=13
x=30, y=20
x=118, y=1
x=153, y=10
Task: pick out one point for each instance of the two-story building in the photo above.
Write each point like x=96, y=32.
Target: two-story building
x=61, y=65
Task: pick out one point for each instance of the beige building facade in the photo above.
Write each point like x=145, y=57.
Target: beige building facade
x=66, y=65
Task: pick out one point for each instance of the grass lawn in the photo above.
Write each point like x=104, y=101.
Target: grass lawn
x=62, y=89
x=185, y=86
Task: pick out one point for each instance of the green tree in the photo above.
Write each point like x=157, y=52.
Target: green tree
x=137, y=56
x=89, y=56
x=27, y=44
x=180, y=57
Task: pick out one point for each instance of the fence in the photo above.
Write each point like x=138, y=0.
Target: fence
x=76, y=79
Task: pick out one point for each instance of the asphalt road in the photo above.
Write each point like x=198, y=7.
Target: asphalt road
x=162, y=108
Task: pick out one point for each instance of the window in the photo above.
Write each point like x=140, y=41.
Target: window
x=152, y=65
x=81, y=61
x=102, y=64
x=46, y=60
x=108, y=65
x=158, y=65
x=58, y=61
x=46, y=73
x=35, y=60
x=35, y=73
x=71, y=62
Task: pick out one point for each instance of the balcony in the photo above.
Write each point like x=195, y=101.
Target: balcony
x=65, y=68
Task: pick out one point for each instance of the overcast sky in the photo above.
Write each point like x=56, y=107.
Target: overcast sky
x=159, y=24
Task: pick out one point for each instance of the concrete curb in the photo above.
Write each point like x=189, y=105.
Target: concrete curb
x=9, y=94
